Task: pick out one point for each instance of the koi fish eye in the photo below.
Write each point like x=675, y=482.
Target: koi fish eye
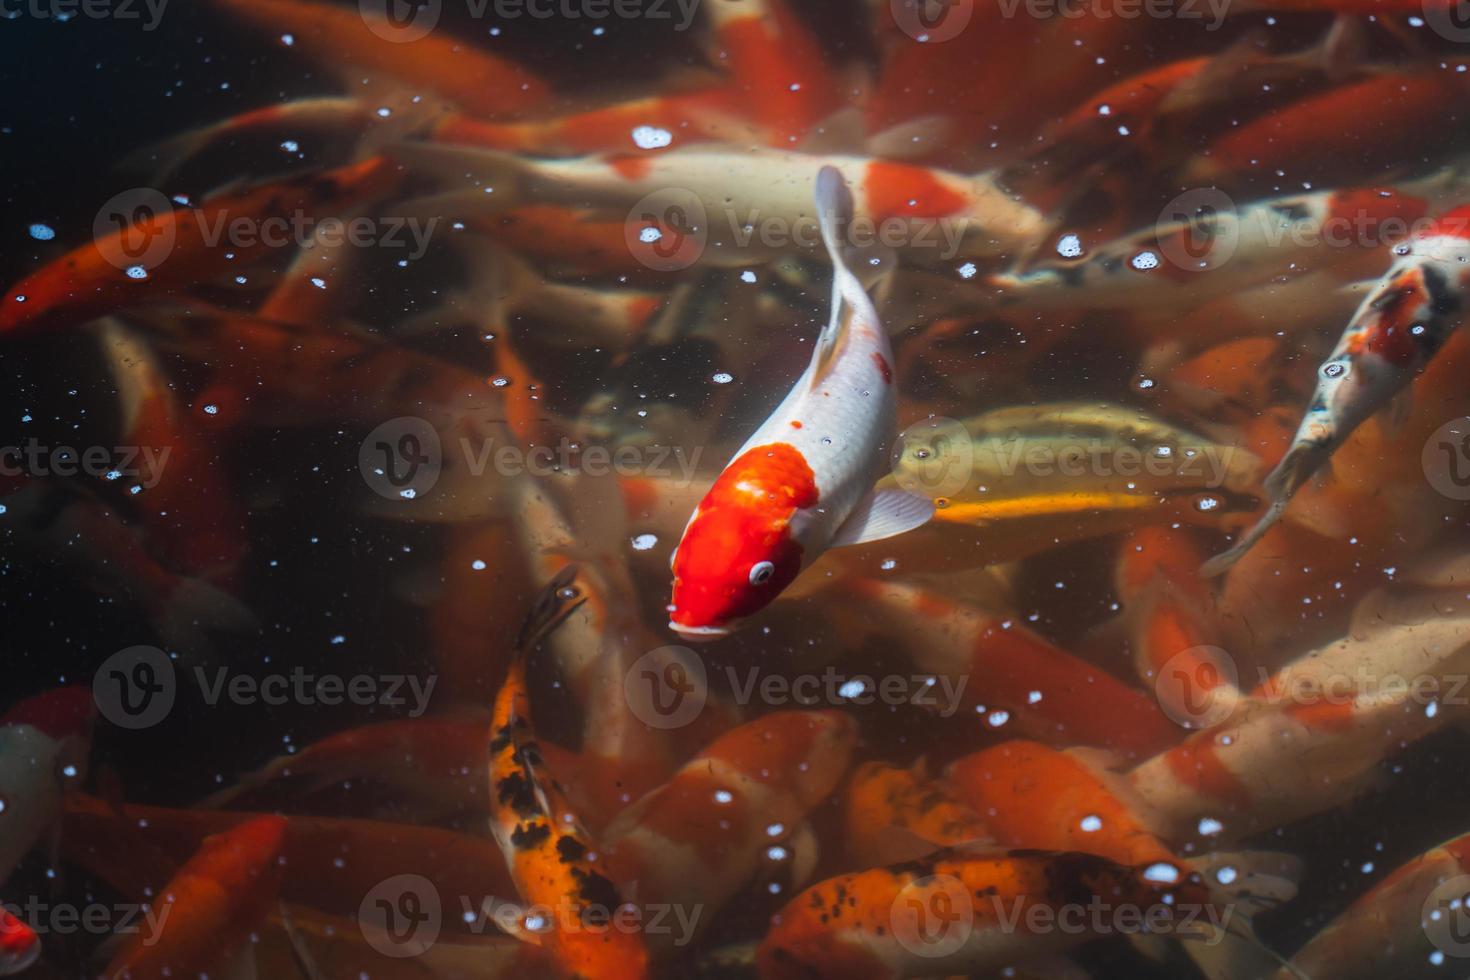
x=1334, y=370
x=761, y=572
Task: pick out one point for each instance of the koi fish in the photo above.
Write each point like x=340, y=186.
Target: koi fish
x=95, y=278
x=553, y=861
x=19, y=945
x=1396, y=331
x=961, y=914
x=354, y=41
x=208, y=909
x=803, y=481
x=694, y=841
x=44, y=743
x=931, y=210
x=900, y=814
x=1388, y=929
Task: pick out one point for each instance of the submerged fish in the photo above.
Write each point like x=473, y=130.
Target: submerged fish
x=803, y=482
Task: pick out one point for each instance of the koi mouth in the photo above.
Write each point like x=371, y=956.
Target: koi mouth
x=698, y=634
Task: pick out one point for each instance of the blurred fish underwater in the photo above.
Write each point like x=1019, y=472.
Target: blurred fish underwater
x=735, y=488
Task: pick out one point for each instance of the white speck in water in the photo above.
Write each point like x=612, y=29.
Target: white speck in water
x=649, y=235
x=723, y=796
x=384, y=112
x=478, y=564
x=1091, y=824
x=777, y=853
x=137, y=272
x=850, y=689
x=42, y=233
x=998, y=718
x=1069, y=246
x=721, y=378
x=318, y=283
x=408, y=493
x=1163, y=871
x=967, y=271
x=1033, y=697
x=1104, y=110
x=747, y=276
x=1144, y=261
x=1225, y=875
x=288, y=39
x=1367, y=868
x=1431, y=709
x=338, y=640
x=888, y=564
x=651, y=137
x=644, y=542
x=290, y=146
x=775, y=830
x=1209, y=826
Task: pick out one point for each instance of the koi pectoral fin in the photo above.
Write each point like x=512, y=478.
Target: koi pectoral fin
x=883, y=514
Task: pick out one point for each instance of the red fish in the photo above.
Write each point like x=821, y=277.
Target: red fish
x=19, y=945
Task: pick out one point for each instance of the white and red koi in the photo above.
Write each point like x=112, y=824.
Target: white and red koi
x=44, y=743
x=803, y=482
x=1396, y=331
x=19, y=945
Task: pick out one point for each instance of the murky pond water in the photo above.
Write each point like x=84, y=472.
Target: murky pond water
x=620, y=488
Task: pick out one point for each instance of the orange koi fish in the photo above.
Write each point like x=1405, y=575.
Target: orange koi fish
x=803, y=481
x=696, y=840
x=355, y=40
x=1392, y=928
x=956, y=913
x=100, y=276
x=1017, y=678
x=1396, y=331
x=44, y=743
x=552, y=860
x=896, y=814
x=19, y=945
x=211, y=906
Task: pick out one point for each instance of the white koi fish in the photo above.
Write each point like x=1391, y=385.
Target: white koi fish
x=803, y=482
x=1398, y=328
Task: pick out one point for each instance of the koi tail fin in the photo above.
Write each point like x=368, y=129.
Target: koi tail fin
x=849, y=299
x=195, y=609
x=1246, y=883
x=1296, y=467
x=502, y=180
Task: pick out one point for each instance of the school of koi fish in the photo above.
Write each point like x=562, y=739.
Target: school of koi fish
x=1097, y=569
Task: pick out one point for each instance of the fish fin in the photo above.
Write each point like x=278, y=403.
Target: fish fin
x=507, y=174
x=849, y=299
x=910, y=139
x=883, y=514
x=1259, y=880
x=838, y=131
x=300, y=953
x=1396, y=414
x=194, y=609
x=1222, y=562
